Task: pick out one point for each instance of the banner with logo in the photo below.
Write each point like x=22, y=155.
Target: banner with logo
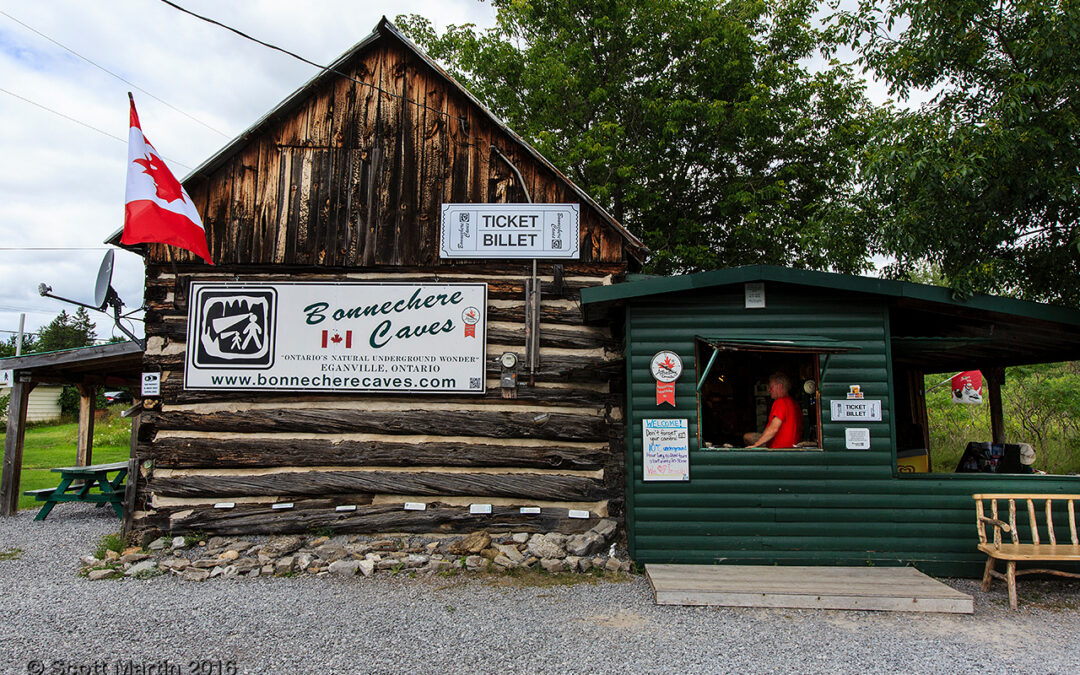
x=967, y=387
x=356, y=337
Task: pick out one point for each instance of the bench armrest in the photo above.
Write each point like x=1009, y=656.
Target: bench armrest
x=996, y=523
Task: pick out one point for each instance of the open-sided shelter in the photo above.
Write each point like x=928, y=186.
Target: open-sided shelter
x=114, y=364
x=855, y=350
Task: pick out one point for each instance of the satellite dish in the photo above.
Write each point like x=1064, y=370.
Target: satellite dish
x=104, y=280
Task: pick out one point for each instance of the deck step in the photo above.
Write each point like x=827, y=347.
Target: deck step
x=893, y=589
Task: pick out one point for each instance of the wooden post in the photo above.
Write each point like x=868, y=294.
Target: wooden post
x=87, y=399
x=13, y=447
x=130, y=488
x=995, y=377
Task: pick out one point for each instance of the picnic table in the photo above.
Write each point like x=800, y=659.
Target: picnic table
x=77, y=483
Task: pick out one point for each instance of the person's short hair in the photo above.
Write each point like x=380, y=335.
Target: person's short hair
x=782, y=379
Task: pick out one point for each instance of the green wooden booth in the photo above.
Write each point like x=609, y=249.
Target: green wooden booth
x=841, y=500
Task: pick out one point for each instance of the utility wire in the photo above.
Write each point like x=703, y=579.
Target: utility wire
x=67, y=117
x=80, y=122
x=106, y=70
x=325, y=69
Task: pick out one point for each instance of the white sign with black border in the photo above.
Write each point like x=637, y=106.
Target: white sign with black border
x=856, y=411
x=411, y=338
x=151, y=385
x=510, y=231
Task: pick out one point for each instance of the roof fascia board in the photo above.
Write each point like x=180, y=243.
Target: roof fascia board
x=70, y=356
x=829, y=280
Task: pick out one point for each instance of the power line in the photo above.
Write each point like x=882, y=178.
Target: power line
x=71, y=119
x=54, y=248
x=106, y=70
x=325, y=69
x=80, y=122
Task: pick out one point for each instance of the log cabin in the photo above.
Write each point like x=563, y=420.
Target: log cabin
x=339, y=190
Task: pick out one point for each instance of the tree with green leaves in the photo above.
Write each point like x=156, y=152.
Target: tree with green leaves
x=697, y=123
x=66, y=332
x=984, y=179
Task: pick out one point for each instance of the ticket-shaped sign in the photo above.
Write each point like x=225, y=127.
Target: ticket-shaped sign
x=510, y=231
x=856, y=411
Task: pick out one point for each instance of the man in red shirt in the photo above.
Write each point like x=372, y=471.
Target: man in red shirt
x=784, y=429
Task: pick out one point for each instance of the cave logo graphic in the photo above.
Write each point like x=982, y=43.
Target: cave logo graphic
x=235, y=328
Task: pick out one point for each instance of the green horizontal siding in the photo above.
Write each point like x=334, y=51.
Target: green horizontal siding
x=829, y=507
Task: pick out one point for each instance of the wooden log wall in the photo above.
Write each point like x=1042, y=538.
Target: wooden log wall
x=558, y=445
x=345, y=182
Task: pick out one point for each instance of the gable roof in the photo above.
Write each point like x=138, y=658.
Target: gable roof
x=928, y=325
x=645, y=286
x=387, y=30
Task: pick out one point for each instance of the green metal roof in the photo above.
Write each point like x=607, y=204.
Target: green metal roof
x=827, y=280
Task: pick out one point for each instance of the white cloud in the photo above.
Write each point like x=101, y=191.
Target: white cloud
x=62, y=185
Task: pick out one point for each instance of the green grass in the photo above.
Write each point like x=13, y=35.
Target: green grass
x=51, y=445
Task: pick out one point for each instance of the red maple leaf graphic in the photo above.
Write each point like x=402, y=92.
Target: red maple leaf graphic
x=336, y=339
x=667, y=363
x=471, y=314
x=168, y=188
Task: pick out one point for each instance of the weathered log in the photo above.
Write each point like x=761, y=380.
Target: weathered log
x=499, y=287
x=542, y=487
x=173, y=391
x=173, y=452
x=551, y=338
x=481, y=268
x=552, y=368
x=319, y=514
x=550, y=426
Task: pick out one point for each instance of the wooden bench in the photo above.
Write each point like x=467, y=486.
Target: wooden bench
x=1035, y=551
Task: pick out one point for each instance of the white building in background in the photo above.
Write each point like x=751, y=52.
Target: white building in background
x=44, y=402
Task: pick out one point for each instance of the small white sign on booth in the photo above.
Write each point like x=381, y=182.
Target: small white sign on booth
x=856, y=411
x=857, y=439
x=665, y=445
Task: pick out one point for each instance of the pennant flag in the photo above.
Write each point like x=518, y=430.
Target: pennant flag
x=967, y=387
x=158, y=209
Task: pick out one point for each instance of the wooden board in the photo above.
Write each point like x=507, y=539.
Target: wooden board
x=895, y=589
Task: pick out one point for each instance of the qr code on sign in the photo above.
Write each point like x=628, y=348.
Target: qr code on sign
x=474, y=383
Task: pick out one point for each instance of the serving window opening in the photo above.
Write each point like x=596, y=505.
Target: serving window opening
x=735, y=396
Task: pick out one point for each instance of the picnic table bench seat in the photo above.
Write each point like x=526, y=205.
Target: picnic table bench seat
x=1034, y=551
x=78, y=483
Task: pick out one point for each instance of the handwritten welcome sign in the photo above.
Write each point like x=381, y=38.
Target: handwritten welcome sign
x=665, y=445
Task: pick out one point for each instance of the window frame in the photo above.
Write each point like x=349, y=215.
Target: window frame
x=813, y=346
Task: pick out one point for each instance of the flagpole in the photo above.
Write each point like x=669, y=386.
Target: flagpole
x=947, y=379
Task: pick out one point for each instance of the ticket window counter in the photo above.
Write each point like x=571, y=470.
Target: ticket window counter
x=733, y=387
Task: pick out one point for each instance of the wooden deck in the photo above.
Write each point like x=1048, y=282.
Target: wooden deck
x=892, y=589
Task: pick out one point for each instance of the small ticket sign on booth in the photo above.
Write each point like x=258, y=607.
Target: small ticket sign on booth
x=665, y=445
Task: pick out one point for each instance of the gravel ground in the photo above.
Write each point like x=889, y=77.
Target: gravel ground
x=56, y=622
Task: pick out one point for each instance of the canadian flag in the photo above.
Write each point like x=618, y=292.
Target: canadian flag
x=157, y=207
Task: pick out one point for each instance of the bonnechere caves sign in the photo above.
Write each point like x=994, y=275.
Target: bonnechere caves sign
x=392, y=337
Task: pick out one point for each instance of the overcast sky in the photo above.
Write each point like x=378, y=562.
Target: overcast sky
x=62, y=184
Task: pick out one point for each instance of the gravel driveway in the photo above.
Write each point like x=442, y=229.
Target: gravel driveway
x=56, y=622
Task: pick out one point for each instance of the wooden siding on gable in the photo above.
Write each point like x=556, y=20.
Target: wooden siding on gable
x=355, y=175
